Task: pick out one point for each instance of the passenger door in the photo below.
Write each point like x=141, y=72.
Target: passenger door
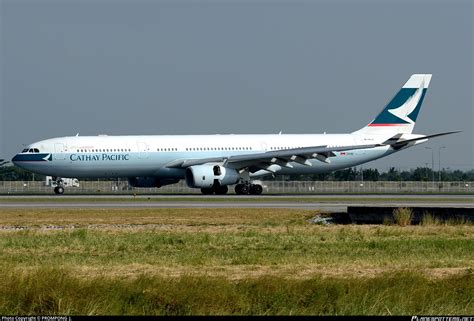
x=142, y=150
x=59, y=151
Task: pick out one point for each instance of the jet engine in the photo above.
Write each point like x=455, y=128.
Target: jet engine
x=209, y=175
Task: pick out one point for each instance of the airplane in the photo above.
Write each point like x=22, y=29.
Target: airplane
x=213, y=162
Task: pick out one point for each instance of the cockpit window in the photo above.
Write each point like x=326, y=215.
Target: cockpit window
x=25, y=150
x=36, y=150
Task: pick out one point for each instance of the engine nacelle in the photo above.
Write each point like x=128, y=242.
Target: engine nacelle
x=208, y=175
x=151, y=181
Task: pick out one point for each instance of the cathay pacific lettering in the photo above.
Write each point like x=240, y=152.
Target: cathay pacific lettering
x=103, y=157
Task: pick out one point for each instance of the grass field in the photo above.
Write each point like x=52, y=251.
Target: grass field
x=228, y=261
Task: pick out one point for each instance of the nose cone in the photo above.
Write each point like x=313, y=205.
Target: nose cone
x=28, y=159
x=18, y=161
x=15, y=159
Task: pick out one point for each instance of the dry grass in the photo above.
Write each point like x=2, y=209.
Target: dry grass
x=227, y=250
x=429, y=219
x=403, y=216
x=142, y=216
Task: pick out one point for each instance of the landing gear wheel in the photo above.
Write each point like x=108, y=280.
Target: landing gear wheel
x=241, y=189
x=207, y=191
x=221, y=190
x=256, y=189
x=59, y=190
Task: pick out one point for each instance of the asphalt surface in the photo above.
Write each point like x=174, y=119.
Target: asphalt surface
x=329, y=203
x=275, y=196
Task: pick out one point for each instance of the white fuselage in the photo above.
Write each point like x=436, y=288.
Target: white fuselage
x=133, y=156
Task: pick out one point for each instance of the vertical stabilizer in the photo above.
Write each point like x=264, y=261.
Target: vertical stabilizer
x=400, y=114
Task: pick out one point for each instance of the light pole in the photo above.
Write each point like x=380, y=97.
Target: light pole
x=439, y=164
x=432, y=164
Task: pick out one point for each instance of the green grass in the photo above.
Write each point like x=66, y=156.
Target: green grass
x=228, y=261
x=59, y=292
x=192, y=251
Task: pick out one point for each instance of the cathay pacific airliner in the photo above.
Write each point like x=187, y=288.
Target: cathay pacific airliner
x=214, y=162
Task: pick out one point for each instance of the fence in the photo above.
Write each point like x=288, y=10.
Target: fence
x=269, y=187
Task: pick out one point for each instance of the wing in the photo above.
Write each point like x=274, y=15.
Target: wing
x=285, y=157
x=264, y=160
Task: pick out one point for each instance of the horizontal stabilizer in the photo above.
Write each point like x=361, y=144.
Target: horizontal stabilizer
x=396, y=142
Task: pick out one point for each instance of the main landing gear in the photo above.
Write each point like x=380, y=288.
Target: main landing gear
x=240, y=189
x=245, y=189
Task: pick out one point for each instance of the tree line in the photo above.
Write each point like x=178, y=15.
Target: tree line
x=393, y=174
x=13, y=173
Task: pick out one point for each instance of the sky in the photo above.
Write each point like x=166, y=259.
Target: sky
x=205, y=67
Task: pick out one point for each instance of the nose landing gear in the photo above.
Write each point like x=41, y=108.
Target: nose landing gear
x=59, y=189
